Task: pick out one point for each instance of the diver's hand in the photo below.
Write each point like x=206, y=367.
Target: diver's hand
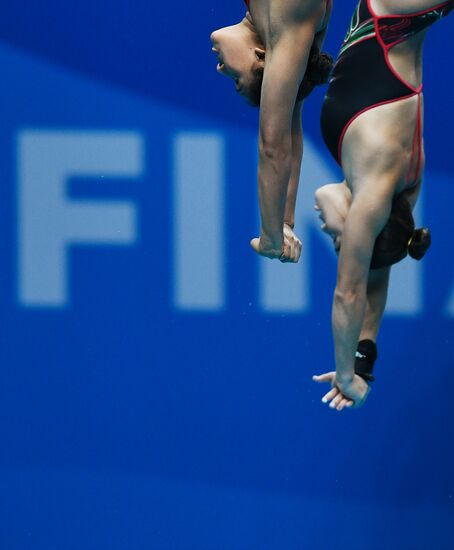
x=293, y=243
x=267, y=248
x=288, y=251
x=344, y=394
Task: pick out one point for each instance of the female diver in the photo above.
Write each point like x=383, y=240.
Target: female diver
x=372, y=123
x=267, y=55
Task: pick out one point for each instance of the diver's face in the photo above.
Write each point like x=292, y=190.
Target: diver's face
x=237, y=56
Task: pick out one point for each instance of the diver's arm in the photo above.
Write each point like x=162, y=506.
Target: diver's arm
x=320, y=35
x=297, y=155
x=366, y=218
x=286, y=65
x=377, y=286
x=297, y=138
x=377, y=293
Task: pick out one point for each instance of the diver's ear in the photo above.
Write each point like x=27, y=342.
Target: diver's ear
x=259, y=54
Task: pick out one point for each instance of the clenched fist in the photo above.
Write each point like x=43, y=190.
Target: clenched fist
x=289, y=251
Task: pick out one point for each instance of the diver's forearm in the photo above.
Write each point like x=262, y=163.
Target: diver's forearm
x=290, y=204
x=297, y=155
x=348, y=316
x=292, y=190
x=274, y=176
x=377, y=294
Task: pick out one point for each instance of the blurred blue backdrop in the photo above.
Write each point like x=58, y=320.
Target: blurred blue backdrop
x=155, y=387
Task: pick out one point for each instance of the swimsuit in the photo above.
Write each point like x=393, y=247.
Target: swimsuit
x=363, y=77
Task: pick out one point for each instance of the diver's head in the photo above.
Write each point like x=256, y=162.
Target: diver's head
x=241, y=56
x=399, y=237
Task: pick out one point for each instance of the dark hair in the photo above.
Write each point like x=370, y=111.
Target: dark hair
x=318, y=70
x=399, y=237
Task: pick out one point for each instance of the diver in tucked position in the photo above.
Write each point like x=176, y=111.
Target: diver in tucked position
x=372, y=124
x=273, y=56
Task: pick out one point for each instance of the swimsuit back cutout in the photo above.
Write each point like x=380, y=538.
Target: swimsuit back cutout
x=363, y=77
x=391, y=29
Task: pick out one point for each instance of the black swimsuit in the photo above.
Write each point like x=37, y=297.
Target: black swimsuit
x=363, y=77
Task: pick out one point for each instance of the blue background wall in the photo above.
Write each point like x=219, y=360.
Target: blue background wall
x=155, y=381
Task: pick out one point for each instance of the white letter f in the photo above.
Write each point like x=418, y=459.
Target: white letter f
x=48, y=222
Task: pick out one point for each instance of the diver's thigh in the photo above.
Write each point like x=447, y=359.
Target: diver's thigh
x=380, y=142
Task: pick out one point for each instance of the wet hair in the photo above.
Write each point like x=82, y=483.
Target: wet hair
x=399, y=237
x=318, y=70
